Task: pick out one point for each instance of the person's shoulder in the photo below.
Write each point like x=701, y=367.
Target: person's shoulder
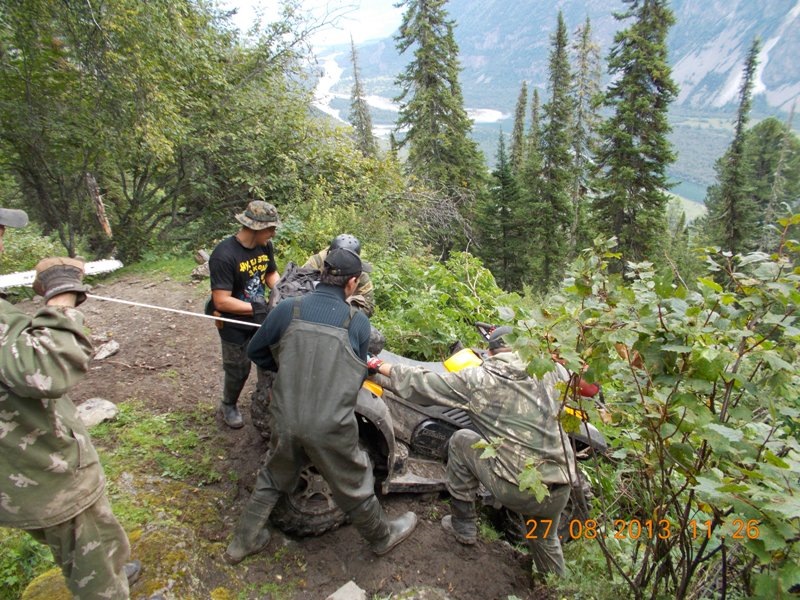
x=222, y=247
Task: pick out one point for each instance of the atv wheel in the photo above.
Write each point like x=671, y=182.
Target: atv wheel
x=310, y=510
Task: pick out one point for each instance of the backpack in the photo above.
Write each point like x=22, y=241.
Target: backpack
x=295, y=281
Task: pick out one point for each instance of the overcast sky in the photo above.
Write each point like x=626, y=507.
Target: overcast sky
x=363, y=19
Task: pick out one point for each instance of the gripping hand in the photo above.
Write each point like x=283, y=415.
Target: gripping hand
x=56, y=276
x=259, y=305
x=373, y=364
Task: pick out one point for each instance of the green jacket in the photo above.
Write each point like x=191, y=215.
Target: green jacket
x=49, y=470
x=504, y=402
x=364, y=296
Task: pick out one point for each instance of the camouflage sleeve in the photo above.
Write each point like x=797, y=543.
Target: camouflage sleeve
x=44, y=355
x=365, y=291
x=424, y=387
x=317, y=261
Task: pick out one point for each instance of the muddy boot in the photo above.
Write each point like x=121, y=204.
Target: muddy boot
x=231, y=415
x=133, y=571
x=252, y=534
x=382, y=533
x=463, y=523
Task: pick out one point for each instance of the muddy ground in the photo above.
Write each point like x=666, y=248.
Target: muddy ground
x=171, y=363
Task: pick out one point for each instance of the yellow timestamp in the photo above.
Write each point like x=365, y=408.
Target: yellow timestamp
x=634, y=529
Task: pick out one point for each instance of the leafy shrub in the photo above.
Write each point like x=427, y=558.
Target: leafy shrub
x=25, y=247
x=702, y=390
x=21, y=560
x=424, y=305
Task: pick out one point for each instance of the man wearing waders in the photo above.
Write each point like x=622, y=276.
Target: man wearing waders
x=318, y=345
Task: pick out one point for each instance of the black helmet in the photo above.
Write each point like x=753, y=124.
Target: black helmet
x=346, y=241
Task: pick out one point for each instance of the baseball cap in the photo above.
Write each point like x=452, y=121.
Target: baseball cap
x=342, y=261
x=11, y=217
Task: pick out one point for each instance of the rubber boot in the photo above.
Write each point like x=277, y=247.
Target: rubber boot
x=379, y=530
x=133, y=571
x=251, y=535
x=231, y=415
x=463, y=523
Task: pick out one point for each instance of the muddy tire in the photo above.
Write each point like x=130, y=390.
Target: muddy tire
x=310, y=510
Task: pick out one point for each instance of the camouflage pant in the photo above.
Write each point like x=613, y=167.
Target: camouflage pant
x=466, y=471
x=91, y=549
x=237, y=366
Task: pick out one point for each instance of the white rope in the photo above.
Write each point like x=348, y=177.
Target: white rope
x=174, y=310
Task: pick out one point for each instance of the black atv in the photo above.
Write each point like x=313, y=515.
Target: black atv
x=407, y=445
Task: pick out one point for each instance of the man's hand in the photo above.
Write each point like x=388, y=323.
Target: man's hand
x=259, y=305
x=56, y=276
x=373, y=364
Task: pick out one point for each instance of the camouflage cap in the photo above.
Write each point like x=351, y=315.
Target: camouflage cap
x=259, y=215
x=11, y=217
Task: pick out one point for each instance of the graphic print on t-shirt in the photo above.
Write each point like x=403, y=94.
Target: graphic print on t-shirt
x=255, y=268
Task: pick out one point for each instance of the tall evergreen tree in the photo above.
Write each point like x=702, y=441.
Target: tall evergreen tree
x=585, y=91
x=731, y=209
x=530, y=179
x=502, y=236
x=517, y=150
x=783, y=175
x=432, y=117
x=634, y=153
x=553, y=206
x=360, y=117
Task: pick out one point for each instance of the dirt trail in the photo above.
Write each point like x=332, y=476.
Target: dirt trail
x=171, y=363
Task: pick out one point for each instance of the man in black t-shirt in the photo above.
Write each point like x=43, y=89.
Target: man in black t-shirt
x=242, y=268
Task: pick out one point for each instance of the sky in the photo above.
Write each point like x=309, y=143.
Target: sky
x=363, y=19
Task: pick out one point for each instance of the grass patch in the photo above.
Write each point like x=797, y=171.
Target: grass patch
x=166, y=444
x=177, y=267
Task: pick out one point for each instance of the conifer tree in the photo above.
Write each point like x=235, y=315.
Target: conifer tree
x=782, y=173
x=731, y=209
x=634, y=152
x=517, y=150
x=360, y=118
x=502, y=238
x=530, y=179
x=552, y=207
x=585, y=91
x=432, y=117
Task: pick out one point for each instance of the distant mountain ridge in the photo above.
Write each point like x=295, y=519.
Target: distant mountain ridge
x=503, y=43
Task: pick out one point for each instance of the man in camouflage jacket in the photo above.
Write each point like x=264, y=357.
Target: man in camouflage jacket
x=509, y=408
x=51, y=480
x=364, y=297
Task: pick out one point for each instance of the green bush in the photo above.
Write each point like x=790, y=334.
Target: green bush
x=21, y=560
x=424, y=305
x=702, y=388
x=25, y=247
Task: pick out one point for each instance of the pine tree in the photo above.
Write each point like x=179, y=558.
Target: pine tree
x=432, y=116
x=553, y=206
x=585, y=91
x=530, y=179
x=360, y=117
x=731, y=209
x=784, y=174
x=517, y=150
x=634, y=153
x=502, y=237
